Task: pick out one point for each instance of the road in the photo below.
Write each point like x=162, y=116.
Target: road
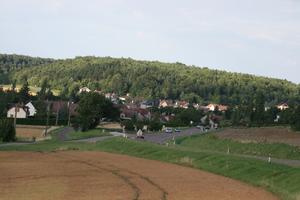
x=163, y=138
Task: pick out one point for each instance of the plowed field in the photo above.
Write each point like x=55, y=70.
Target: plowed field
x=104, y=176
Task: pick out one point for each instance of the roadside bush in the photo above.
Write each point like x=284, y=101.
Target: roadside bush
x=128, y=124
x=7, y=130
x=155, y=125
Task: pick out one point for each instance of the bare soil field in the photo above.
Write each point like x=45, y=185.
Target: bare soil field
x=110, y=125
x=259, y=135
x=70, y=175
x=28, y=131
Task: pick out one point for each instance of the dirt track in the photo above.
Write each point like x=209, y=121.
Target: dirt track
x=97, y=175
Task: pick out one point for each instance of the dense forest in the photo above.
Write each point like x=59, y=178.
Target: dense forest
x=10, y=63
x=147, y=79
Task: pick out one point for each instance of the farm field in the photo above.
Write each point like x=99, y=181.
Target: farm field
x=284, y=181
x=262, y=135
x=237, y=141
x=97, y=175
x=27, y=132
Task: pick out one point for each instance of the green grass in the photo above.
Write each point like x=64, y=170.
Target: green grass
x=282, y=180
x=211, y=142
x=88, y=134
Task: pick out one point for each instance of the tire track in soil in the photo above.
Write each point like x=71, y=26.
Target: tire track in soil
x=117, y=171
x=164, y=193
x=135, y=188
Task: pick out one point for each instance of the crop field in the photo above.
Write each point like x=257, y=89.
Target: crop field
x=28, y=132
x=261, y=135
x=97, y=175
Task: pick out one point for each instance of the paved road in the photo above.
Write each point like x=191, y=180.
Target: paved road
x=63, y=133
x=163, y=138
x=97, y=139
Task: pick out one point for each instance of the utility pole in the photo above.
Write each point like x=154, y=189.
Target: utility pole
x=47, y=121
x=69, y=113
x=57, y=114
x=16, y=113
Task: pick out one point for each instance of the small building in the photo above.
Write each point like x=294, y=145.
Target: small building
x=181, y=104
x=149, y=103
x=214, y=107
x=84, y=89
x=58, y=106
x=31, y=109
x=18, y=112
x=165, y=103
x=283, y=106
x=139, y=113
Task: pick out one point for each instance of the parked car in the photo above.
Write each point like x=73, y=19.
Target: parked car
x=177, y=130
x=169, y=130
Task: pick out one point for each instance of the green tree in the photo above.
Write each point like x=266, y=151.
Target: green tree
x=24, y=93
x=295, y=122
x=7, y=130
x=42, y=93
x=92, y=108
x=259, y=108
x=155, y=124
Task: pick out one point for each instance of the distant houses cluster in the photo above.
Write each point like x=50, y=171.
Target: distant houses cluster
x=129, y=107
x=29, y=110
x=139, y=107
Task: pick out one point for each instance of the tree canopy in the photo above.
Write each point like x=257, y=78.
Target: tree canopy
x=156, y=80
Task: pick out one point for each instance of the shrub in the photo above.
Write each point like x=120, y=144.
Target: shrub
x=155, y=125
x=7, y=130
x=128, y=124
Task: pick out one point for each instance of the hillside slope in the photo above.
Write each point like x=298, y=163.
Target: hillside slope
x=12, y=62
x=156, y=79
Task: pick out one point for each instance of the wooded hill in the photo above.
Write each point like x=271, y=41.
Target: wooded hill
x=14, y=62
x=147, y=79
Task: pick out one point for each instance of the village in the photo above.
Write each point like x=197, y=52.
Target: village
x=61, y=112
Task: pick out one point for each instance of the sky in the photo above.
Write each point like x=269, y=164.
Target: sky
x=260, y=37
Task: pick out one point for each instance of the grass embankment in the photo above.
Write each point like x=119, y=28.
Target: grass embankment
x=76, y=135
x=281, y=180
x=211, y=142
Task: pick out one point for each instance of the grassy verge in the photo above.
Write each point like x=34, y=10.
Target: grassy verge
x=88, y=134
x=211, y=142
x=282, y=180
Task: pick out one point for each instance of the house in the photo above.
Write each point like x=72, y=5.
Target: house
x=84, y=89
x=167, y=118
x=213, y=107
x=31, y=109
x=181, y=104
x=283, y=106
x=57, y=106
x=139, y=113
x=113, y=97
x=19, y=112
x=165, y=103
x=149, y=103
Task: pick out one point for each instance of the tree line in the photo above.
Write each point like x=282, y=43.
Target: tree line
x=156, y=80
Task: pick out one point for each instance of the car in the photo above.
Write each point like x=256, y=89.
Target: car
x=168, y=130
x=198, y=126
x=177, y=130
